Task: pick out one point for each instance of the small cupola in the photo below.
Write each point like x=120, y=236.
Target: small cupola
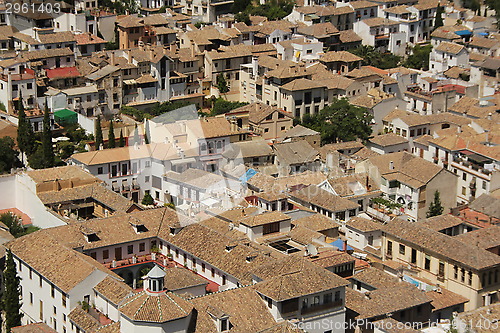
x=154, y=280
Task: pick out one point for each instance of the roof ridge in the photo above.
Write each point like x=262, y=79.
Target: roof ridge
x=142, y=305
x=173, y=301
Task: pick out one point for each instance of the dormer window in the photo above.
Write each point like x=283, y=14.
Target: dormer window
x=92, y=237
x=251, y=258
x=225, y=325
x=230, y=247
x=138, y=226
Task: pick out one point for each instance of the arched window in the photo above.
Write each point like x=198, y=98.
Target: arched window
x=203, y=146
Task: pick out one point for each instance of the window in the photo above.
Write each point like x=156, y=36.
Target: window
x=55, y=310
x=470, y=278
x=464, y=176
x=223, y=280
x=455, y=272
x=271, y=228
x=462, y=275
x=464, y=190
x=105, y=254
x=130, y=249
x=41, y=310
x=402, y=249
x=441, y=269
x=52, y=291
x=64, y=300
x=427, y=264
x=40, y=281
x=389, y=248
x=31, y=298
x=31, y=274
x=142, y=247
x=269, y=303
x=100, y=170
x=327, y=298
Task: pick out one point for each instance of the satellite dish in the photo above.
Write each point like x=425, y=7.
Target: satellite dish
x=311, y=250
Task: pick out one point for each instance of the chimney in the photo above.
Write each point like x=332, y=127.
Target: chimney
x=192, y=50
x=391, y=165
x=255, y=66
x=129, y=56
x=112, y=58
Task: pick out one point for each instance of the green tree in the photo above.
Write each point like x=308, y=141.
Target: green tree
x=147, y=200
x=121, y=141
x=222, y=84
x=372, y=57
x=419, y=59
x=340, y=121
x=439, y=17
x=47, y=148
x=98, y=133
x=111, y=135
x=25, y=135
x=36, y=159
x=435, y=208
x=14, y=223
x=8, y=155
x=11, y=303
x=222, y=106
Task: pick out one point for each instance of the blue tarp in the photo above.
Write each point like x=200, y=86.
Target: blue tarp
x=483, y=34
x=463, y=32
x=339, y=243
x=249, y=174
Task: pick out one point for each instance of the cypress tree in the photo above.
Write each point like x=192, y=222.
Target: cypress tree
x=111, y=136
x=439, y=17
x=11, y=294
x=98, y=134
x=25, y=135
x=435, y=208
x=48, y=150
x=121, y=141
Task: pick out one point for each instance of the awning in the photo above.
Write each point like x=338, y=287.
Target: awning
x=478, y=158
x=183, y=161
x=209, y=202
x=65, y=116
x=339, y=244
x=463, y=32
x=249, y=174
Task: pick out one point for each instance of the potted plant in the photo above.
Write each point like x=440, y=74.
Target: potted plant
x=170, y=256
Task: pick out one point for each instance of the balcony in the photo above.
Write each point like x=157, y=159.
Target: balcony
x=321, y=307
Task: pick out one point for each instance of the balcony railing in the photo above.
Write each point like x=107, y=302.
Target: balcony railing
x=321, y=307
